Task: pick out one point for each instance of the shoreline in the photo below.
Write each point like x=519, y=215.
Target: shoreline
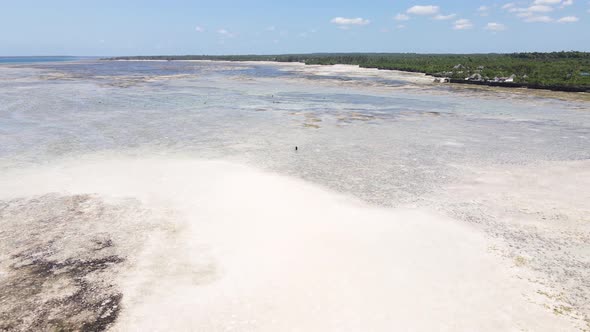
x=543, y=93
x=522, y=85
x=532, y=87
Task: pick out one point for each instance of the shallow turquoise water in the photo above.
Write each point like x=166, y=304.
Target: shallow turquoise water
x=369, y=133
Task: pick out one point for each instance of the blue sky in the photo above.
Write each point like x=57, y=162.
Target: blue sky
x=134, y=27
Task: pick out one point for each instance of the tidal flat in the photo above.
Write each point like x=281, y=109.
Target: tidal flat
x=168, y=195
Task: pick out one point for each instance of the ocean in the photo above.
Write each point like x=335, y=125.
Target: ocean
x=35, y=59
x=169, y=195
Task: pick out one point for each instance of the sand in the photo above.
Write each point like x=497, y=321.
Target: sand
x=540, y=213
x=236, y=248
x=168, y=200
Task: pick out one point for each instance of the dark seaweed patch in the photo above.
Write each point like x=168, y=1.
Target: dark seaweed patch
x=59, y=275
x=90, y=306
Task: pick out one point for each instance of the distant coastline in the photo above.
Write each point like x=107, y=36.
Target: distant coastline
x=523, y=85
x=557, y=71
x=37, y=59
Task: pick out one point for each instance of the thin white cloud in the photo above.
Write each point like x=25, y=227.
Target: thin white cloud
x=199, y=29
x=509, y=5
x=517, y=10
x=226, y=33
x=493, y=26
x=567, y=3
x=484, y=10
x=462, y=24
x=307, y=33
x=563, y=3
x=401, y=17
x=423, y=10
x=345, y=22
x=444, y=17
x=540, y=9
x=271, y=28
x=568, y=19
x=538, y=19
x=400, y=26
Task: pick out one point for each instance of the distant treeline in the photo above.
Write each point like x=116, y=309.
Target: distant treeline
x=570, y=70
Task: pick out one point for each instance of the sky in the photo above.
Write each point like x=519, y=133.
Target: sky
x=174, y=27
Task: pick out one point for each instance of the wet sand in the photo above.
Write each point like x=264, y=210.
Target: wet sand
x=157, y=195
x=237, y=248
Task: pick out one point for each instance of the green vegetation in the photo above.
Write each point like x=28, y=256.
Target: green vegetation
x=557, y=69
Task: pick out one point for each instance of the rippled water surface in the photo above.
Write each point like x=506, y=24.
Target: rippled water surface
x=392, y=136
x=156, y=189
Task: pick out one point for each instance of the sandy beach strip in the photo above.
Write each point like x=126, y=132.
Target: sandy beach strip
x=236, y=248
